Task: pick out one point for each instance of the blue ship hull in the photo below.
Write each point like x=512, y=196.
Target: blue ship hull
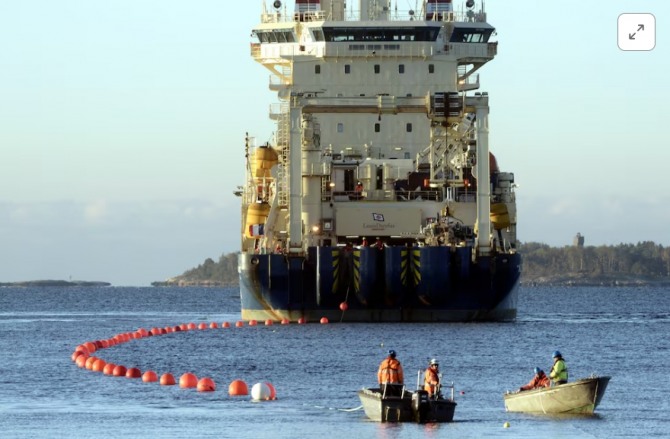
x=394, y=284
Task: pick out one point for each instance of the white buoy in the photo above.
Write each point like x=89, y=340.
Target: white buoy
x=260, y=392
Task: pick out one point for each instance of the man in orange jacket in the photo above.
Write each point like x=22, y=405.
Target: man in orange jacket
x=539, y=380
x=390, y=370
x=431, y=379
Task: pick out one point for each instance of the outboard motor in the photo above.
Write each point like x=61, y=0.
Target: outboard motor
x=420, y=406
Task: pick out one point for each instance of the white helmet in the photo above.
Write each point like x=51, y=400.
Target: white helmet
x=434, y=361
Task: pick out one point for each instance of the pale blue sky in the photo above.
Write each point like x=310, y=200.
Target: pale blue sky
x=122, y=128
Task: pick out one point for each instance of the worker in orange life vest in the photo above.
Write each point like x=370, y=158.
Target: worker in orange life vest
x=431, y=378
x=539, y=380
x=390, y=370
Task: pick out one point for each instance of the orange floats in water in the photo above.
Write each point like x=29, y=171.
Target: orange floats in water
x=77, y=353
x=253, y=322
x=149, y=376
x=225, y=325
x=269, y=322
x=109, y=369
x=273, y=392
x=302, y=321
x=213, y=325
x=238, y=388
x=239, y=324
x=90, y=346
x=285, y=321
x=188, y=381
x=206, y=385
x=143, y=332
x=168, y=330
x=81, y=360
x=119, y=371
x=133, y=372
x=190, y=326
x=98, y=365
x=344, y=306
x=324, y=320
x=167, y=379
x=183, y=327
x=89, y=362
x=202, y=325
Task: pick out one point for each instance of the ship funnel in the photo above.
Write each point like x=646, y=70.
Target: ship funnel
x=438, y=10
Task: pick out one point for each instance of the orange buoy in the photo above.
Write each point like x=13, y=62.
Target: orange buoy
x=225, y=325
x=238, y=388
x=202, y=325
x=188, y=380
x=344, y=306
x=213, y=325
x=143, y=332
x=149, y=376
x=168, y=329
x=109, y=369
x=324, y=320
x=119, y=371
x=273, y=392
x=268, y=322
x=167, y=379
x=206, y=385
x=81, y=360
x=190, y=326
x=98, y=365
x=176, y=329
x=133, y=372
x=136, y=335
x=253, y=322
x=77, y=353
x=104, y=343
x=89, y=362
x=90, y=346
x=285, y=321
x=98, y=344
x=239, y=324
x=183, y=327
x=302, y=321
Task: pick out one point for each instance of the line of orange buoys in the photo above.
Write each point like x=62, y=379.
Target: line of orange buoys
x=83, y=357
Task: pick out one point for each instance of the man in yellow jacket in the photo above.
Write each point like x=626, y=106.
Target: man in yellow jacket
x=559, y=371
x=390, y=370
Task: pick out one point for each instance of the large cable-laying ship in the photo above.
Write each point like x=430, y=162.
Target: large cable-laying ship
x=377, y=198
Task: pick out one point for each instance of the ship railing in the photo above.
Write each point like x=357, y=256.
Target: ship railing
x=354, y=15
x=381, y=195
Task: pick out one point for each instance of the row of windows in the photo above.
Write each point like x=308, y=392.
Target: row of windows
x=378, y=127
x=377, y=69
x=377, y=34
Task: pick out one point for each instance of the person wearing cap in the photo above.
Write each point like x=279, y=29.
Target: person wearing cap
x=559, y=371
x=539, y=380
x=431, y=378
x=390, y=370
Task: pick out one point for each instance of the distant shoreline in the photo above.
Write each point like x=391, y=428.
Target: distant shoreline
x=55, y=283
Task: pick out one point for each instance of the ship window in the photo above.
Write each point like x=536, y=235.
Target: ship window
x=339, y=34
x=318, y=35
x=409, y=127
x=431, y=68
x=377, y=68
x=317, y=69
x=378, y=127
x=401, y=68
x=470, y=35
x=347, y=69
x=340, y=127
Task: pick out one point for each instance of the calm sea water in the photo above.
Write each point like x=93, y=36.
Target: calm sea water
x=317, y=369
